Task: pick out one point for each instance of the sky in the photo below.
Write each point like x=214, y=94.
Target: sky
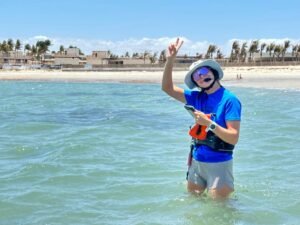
x=139, y=25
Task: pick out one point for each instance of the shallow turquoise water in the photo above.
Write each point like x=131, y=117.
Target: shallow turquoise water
x=100, y=153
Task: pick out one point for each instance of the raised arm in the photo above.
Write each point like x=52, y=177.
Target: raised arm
x=167, y=81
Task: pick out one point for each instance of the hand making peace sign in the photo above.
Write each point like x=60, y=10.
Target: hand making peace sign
x=174, y=48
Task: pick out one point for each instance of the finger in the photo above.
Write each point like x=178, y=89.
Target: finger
x=171, y=48
x=180, y=44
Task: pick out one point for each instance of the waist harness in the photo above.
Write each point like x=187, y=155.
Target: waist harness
x=214, y=142
x=201, y=137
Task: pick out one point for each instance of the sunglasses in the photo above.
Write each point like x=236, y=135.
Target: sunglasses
x=201, y=72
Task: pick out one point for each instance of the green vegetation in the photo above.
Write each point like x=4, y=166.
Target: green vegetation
x=40, y=48
x=239, y=51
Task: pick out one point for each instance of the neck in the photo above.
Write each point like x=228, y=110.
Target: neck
x=214, y=88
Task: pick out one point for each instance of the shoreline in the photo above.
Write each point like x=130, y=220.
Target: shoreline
x=260, y=77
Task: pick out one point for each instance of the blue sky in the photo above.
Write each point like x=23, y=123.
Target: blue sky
x=138, y=25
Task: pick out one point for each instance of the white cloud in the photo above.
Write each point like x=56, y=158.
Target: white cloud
x=145, y=44
x=40, y=38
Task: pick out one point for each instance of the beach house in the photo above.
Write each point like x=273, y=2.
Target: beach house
x=14, y=59
x=98, y=58
x=69, y=57
x=105, y=58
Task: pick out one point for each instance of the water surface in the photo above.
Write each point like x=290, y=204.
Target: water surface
x=103, y=153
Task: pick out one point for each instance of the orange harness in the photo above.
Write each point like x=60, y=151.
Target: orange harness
x=199, y=131
x=200, y=136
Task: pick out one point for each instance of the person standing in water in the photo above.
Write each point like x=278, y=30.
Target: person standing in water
x=211, y=164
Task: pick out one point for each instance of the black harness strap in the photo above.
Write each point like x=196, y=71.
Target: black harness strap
x=214, y=143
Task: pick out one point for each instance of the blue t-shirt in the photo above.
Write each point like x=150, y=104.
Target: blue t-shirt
x=226, y=107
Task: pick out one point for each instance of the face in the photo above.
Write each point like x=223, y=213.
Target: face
x=203, y=76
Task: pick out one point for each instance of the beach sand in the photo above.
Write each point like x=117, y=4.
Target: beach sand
x=260, y=77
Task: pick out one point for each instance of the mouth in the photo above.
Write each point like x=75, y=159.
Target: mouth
x=207, y=79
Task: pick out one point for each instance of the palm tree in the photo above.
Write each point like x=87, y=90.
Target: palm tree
x=10, y=44
x=153, y=58
x=17, y=48
x=4, y=47
x=298, y=52
x=27, y=48
x=243, y=53
x=219, y=54
x=162, y=56
x=262, y=47
x=135, y=55
x=278, y=51
x=253, y=48
x=18, y=45
x=294, y=50
x=61, y=49
x=285, y=47
x=235, y=50
x=270, y=49
x=210, y=51
x=34, y=51
x=47, y=44
x=42, y=47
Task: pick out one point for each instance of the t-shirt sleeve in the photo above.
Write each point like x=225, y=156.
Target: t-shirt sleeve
x=190, y=97
x=233, y=109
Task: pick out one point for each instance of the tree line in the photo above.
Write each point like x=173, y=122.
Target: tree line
x=239, y=51
x=35, y=50
x=275, y=51
x=41, y=47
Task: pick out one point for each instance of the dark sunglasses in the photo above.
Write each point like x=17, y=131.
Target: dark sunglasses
x=201, y=72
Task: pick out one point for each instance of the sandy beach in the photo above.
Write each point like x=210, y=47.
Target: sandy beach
x=262, y=77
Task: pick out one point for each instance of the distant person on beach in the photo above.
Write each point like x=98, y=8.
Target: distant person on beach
x=239, y=76
x=219, y=112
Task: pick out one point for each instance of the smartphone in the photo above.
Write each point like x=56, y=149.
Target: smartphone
x=190, y=109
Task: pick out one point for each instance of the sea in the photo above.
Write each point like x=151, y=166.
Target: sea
x=115, y=153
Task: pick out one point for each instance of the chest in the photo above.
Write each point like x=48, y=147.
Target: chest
x=217, y=106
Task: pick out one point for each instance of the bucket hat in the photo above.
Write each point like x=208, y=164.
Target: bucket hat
x=200, y=63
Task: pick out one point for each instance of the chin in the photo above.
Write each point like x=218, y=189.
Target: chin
x=203, y=86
